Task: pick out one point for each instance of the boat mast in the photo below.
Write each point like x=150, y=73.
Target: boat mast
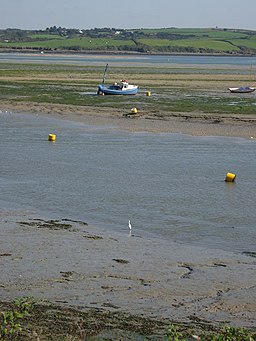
x=251, y=76
x=104, y=75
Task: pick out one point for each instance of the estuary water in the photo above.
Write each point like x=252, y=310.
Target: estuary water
x=169, y=185
x=128, y=60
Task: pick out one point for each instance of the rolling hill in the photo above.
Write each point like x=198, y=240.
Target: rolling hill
x=165, y=40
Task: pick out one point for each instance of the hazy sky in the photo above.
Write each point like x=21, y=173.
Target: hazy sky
x=83, y=14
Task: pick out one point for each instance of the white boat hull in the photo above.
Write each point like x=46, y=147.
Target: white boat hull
x=242, y=90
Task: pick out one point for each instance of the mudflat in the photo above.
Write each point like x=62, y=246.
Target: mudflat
x=124, y=282
x=190, y=99
x=94, y=271
x=197, y=124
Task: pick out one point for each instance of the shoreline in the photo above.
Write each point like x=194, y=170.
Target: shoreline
x=122, y=53
x=195, y=124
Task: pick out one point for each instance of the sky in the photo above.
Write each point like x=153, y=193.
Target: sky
x=85, y=14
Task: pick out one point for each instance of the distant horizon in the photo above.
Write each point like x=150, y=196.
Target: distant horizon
x=86, y=14
x=132, y=28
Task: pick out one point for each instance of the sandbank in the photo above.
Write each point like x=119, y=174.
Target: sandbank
x=195, y=123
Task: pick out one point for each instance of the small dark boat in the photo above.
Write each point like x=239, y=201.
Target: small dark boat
x=242, y=89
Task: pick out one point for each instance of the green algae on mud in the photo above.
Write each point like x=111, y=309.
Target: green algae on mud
x=44, y=321
x=187, y=89
x=51, y=322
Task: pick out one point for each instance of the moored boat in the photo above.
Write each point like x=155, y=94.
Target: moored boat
x=242, y=89
x=121, y=88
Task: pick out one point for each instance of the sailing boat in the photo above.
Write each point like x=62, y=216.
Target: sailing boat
x=121, y=88
x=243, y=89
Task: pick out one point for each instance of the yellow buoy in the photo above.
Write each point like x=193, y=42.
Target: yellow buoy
x=230, y=177
x=148, y=93
x=134, y=110
x=51, y=137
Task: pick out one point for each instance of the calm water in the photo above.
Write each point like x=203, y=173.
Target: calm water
x=151, y=59
x=168, y=185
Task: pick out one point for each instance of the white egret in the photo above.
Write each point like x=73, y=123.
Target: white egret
x=130, y=226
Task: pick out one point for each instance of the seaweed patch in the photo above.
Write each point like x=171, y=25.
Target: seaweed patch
x=48, y=224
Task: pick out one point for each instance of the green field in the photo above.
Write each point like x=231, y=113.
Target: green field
x=172, y=40
x=201, y=32
x=82, y=43
x=207, y=44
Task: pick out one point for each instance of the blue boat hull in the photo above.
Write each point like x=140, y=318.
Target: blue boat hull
x=115, y=90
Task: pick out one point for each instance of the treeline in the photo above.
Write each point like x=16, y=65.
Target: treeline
x=165, y=40
x=14, y=34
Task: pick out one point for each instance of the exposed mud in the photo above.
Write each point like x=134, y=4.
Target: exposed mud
x=117, y=286
x=194, y=123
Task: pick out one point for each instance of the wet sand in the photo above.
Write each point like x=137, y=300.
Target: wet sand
x=194, y=123
x=74, y=264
